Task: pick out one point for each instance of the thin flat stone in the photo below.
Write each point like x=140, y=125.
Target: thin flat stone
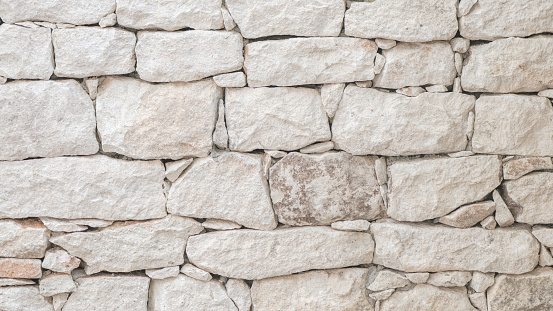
x=546, y=93
x=318, y=147
x=233, y=79
x=23, y=298
x=529, y=198
x=76, y=12
x=351, y=225
x=218, y=224
x=23, y=238
x=195, y=272
x=163, y=273
x=503, y=215
x=418, y=277
x=20, y=268
x=96, y=223
x=173, y=170
x=481, y=281
x=426, y=297
x=517, y=168
x=15, y=282
x=239, y=292
x=468, y=215
x=61, y=225
x=449, y=278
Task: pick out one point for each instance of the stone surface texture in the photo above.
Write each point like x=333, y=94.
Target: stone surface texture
x=20, y=298
x=23, y=239
x=76, y=12
x=529, y=198
x=428, y=297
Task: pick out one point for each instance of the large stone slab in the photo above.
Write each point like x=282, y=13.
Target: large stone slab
x=513, y=124
x=425, y=297
x=369, y=121
x=259, y=18
x=529, y=198
x=530, y=291
x=157, y=121
x=324, y=188
x=428, y=188
x=274, y=118
x=20, y=268
x=169, y=15
x=340, y=289
x=82, y=187
x=187, y=55
x=229, y=187
x=125, y=247
x=46, y=119
x=22, y=298
x=76, y=12
x=186, y=293
x=23, y=239
x=403, y=20
x=491, y=19
x=93, y=51
x=252, y=255
x=126, y=293
x=433, y=248
x=300, y=61
x=25, y=53
x=509, y=65
x=416, y=64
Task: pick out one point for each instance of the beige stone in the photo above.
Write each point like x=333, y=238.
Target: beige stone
x=351, y=225
x=59, y=300
x=418, y=277
x=318, y=147
x=465, y=6
x=163, y=273
x=460, y=45
x=233, y=79
x=546, y=93
x=227, y=19
x=411, y=91
x=22, y=298
x=195, y=272
x=59, y=260
x=522, y=292
x=479, y=301
x=545, y=257
x=76, y=12
x=426, y=297
x=385, y=44
x=519, y=167
x=220, y=134
x=387, y=279
x=108, y=20
x=23, y=239
x=20, y=268
x=449, y=278
x=468, y=215
x=240, y=294
x=503, y=215
x=529, y=198
x=61, y=225
x=56, y=283
x=173, y=170
x=481, y=281
x=331, y=94
x=489, y=223
x=95, y=223
x=544, y=235
x=218, y=224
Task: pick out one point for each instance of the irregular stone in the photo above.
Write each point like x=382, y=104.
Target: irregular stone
x=299, y=61
x=56, y=283
x=387, y=279
x=369, y=121
x=92, y=87
x=418, y=277
x=111, y=53
x=364, y=84
x=412, y=91
x=185, y=293
x=428, y=188
x=46, y=119
x=227, y=19
x=23, y=239
x=470, y=126
x=108, y=20
x=528, y=291
x=379, y=62
x=351, y=225
x=163, y=273
x=78, y=12
x=331, y=94
x=479, y=301
x=544, y=235
x=489, y=223
x=428, y=297
x=237, y=179
x=174, y=169
x=59, y=300
x=292, y=250
x=104, y=292
x=481, y=281
x=385, y=44
x=457, y=85
x=148, y=121
x=21, y=298
x=546, y=93
x=15, y=282
x=545, y=257
x=95, y=223
x=276, y=154
x=78, y=273
x=458, y=63
x=416, y=64
x=460, y=45
x=274, y=118
x=187, y=55
x=423, y=247
x=195, y=272
x=322, y=189
x=233, y=79
x=381, y=170
x=217, y=224
x=169, y=15
x=20, y=268
x=529, y=198
x=126, y=247
x=460, y=154
x=220, y=135
x=318, y=147
x=449, y=278
x=61, y=225
x=468, y=215
x=465, y=6
x=59, y=260
x=503, y=215
x=240, y=294
x=402, y=20
x=382, y=295
x=64, y=26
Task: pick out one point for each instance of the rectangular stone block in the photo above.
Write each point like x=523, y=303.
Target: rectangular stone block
x=23, y=239
x=428, y=297
x=76, y=12
x=300, y=61
x=23, y=298
x=20, y=268
x=529, y=198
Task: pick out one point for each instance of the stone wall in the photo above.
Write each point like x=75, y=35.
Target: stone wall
x=276, y=155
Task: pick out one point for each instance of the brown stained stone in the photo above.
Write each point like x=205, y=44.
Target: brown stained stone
x=517, y=168
x=20, y=268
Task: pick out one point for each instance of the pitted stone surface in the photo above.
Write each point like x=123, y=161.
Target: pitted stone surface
x=76, y=12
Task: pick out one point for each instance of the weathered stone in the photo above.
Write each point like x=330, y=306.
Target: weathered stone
x=169, y=15
x=416, y=64
x=351, y=225
x=108, y=20
x=233, y=79
x=163, y=273
x=544, y=235
x=274, y=118
x=276, y=154
x=426, y=297
x=95, y=223
x=185, y=293
x=15, y=282
x=517, y=168
x=220, y=134
x=481, y=281
x=59, y=300
x=422, y=248
x=237, y=179
x=468, y=215
x=227, y=19
x=531, y=291
x=20, y=268
x=105, y=292
x=418, y=277
x=46, y=119
x=147, y=121
x=187, y=55
x=76, y=12
x=300, y=61
x=217, y=224
x=529, y=198
x=509, y=65
x=457, y=85
x=232, y=253
x=364, y=84
x=449, y=278
x=387, y=279
x=428, y=188
x=174, y=169
x=82, y=187
x=465, y=6
x=131, y=246
x=385, y=44
x=61, y=225
x=322, y=189
x=318, y=147
x=546, y=93
x=458, y=63
x=56, y=283
x=23, y=239
x=22, y=298
x=382, y=295
x=331, y=94
x=460, y=45
x=93, y=51
x=479, y=301
x=259, y=18
x=412, y=91
x=369, y=121
x=545, y=257
x=403, y=20
x=59, y=260
x=195, y=272
x=489, y=223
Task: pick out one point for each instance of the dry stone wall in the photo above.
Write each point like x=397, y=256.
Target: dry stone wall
x=261, y=155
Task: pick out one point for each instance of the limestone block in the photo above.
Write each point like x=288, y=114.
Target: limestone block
x=21, y=298
x=59, y=260
x=233, y=79
x=163, y=273
x=57, y=283
x=449, y=278
x=481, y=281
x=528, y=291
x=529, y=198
x=468, y=215
x=173, y=170
x=20, y=268
x=195, y=272
x=387, y=279
x=23, y=239
x=519, y=167
x=76, y=12
x=428, y=297
x=351, y=225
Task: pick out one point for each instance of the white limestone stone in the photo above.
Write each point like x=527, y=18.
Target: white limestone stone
x=76, y=12
x=418, y=277
x=218, y=224
x=545, y=257
x=240, y=294
x=385, y=44
x=20, y=268
x=457, y=85
x=82, y=187
x=59, y=260
x=387, y=279
x=126, y=247
x=163, y=273
x=503, y=215
x=229, y=187
x=299, y=61
x=364, y=84
x=458, y=63
x=170, y=15
x=220, y=134
x=436, y=89
x=93, y=51
x=449, y=278
x=59, y=300
x=95, y=223
x=281, y=118
x=23, y=239
x=108, y=20
x=529, y=198
x=528, y=291
x=61, y=225
x=318, y=147
x=15, y=282
x=411, y=91
x=228, y=21
x=242, y=253
x=416, y=64
x=519, y=167
x=464, y=153
x=481, y=281
x=22, y=298
x=546, y=93
x=544, y=235
x=382, y=295
x=233, y=79
x=460, y=45
x=479, y=301
x=465, y=6
x=351, y=225
x=174, y=169
x=195, y=272
x=468, y=215
x=45, y=119
x=187, y=55
x=428, y=297
x=56, y=283
x=331, y=94
x=433, y=248
x=489, y=223
x=92, y=87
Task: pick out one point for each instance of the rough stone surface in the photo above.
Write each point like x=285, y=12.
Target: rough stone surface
x=59, y=260
x=20, y=268
x=274, y=118
x=318, y=147
x=23, y=239
x=163, y=273
x=544, y=235
x=56, y=283
x=218, y=224
x=108, y=20
x=449, y=278
x=173, y=170
x=416, y=64
x=187, y=55
x=489, y=223
x=220, y=134
x=503, y=215
x=403, y=20
x=517, y=168
x=340, y=289
x=430, y=188
x=242, y=253
x=61, y=225
x=93, y=51
x=531, y=291
x=23, y=298
x=15, y=282
x=418, y=277
x=468, y=215
x=387, y=279
x=481, y=281
x=133, y=246
x=148, y=121
x=233, y=79
x=546, y=93
x=529, y=198
x=45, y=119
x=301, y=61
x=59, y=300
x=82, y=187
x=369, y=121
x=422, y=248
x=76, y=12
x=460, y=45
x=545, y=257
x=322, y=189
x=227, y=19
x=195, y=272
x=331, y=95
x=424, y=297
x=351, y=225
x=240, y=294
x=465, y=6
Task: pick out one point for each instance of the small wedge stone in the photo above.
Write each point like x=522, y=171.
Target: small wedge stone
x=174, y=169
x=163, y=273
x=195, y=272
x=318, y=147
x=56, y=283
x=385, y=44
x=331, y=94
x=387, y=279
x=545, y=257
x=233, y=79
x=481, y=281
x=240, y=294
x=351, y=225
x=220, y=135
x=517, y=168
x=489, y=223
x=468, y=215
x=218, y=224
x=61, y=225
x=418, y=277
x=449, y=278
x=460, y=45
x=15, y=282
x=59, y=260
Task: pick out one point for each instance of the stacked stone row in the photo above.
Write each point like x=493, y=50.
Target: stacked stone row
x=290, y=155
